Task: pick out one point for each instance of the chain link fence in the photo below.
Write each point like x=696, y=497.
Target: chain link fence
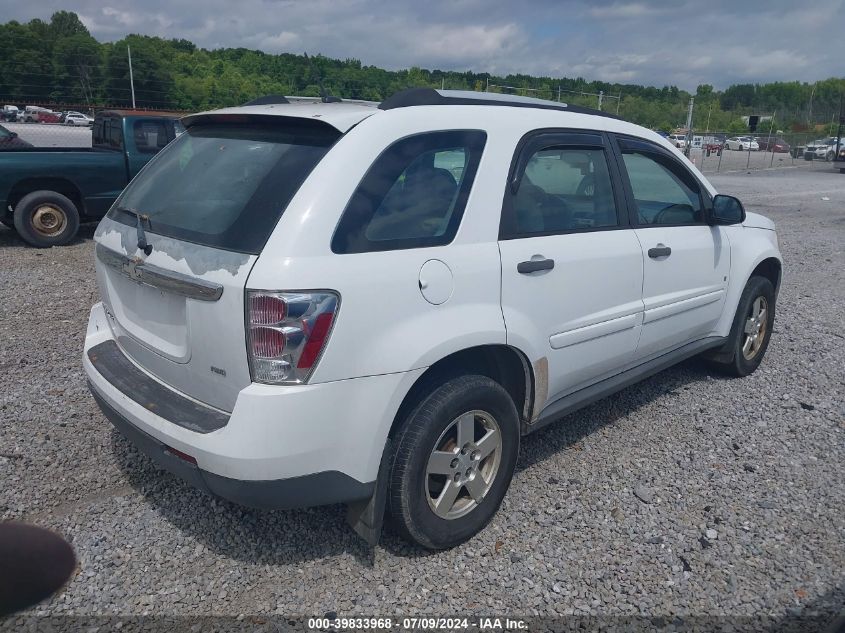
x=710, y=151
x=715, y=152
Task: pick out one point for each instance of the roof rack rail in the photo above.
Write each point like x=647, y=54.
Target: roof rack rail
x=267, y=100
x=431, y=96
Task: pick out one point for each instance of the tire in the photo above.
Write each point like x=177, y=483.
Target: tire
x=434, y=424
x=738, y=357
x=808, y=156
x=46, y=218
x=829, y=157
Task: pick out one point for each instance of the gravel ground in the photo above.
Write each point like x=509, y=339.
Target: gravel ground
x=52, y=134
x=688, y=494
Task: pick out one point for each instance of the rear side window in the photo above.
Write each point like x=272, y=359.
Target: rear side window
x=413, y=195
x=225, y=185
x=562, y=190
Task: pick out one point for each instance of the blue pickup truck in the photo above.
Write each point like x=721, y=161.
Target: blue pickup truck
x=47, y=192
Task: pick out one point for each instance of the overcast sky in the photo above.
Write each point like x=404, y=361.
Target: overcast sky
x=655, y=42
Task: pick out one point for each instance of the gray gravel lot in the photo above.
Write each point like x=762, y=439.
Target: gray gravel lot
x=687, y=494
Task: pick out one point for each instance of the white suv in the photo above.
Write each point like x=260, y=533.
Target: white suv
x=307, y=303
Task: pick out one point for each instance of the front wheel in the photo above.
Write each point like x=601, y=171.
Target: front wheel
x=751, y=330
x=46, y=218
x=455, y=457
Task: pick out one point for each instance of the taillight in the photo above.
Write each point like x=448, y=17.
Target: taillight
x=287, y=332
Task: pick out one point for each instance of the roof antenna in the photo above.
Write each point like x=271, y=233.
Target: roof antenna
x=325, y=97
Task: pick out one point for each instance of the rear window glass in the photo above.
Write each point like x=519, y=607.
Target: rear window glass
x=225, y=185
x=151, y=135
x=413, y=195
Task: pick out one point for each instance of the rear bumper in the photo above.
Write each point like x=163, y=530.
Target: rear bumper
x=282, y=446
x=295, y=492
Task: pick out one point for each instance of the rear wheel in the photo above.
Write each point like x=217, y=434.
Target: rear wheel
x=455, y=457
x=751, y=330
x=46, y=218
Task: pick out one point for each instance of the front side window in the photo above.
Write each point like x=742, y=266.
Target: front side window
x=562, y=189
x=664, y=193
x=413, y=195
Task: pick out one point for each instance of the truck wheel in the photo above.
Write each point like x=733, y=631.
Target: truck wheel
x=751, y=330
x=455, y=457
x=46, y=218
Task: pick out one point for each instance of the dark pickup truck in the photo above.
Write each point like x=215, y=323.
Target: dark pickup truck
x=47, y=192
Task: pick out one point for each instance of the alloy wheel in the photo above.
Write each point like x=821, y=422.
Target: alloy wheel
x=463, y=464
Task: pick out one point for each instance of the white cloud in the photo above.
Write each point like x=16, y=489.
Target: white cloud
x=655, y=42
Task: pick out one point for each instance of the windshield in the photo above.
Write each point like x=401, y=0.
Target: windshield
x=225, y=185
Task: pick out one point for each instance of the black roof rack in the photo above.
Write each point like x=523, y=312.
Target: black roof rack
x=267, y=100
x=431, y=96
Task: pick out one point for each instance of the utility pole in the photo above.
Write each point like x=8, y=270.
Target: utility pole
x=689, y=126
x=558, y=93
x=618, y=101
x=487, y=89
x=810, y=109
x=709, y=111
x=601, y=95
x=131, y=79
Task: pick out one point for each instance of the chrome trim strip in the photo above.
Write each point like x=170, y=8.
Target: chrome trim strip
x=136, y=269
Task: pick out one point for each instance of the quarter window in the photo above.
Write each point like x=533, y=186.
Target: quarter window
x=561, y=190
x=413, y=195
x=664, y=192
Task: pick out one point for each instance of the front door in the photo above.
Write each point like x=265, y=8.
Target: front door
x=572, y=268
x=686, y=261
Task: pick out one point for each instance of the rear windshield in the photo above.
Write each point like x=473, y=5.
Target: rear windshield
x=225, y=185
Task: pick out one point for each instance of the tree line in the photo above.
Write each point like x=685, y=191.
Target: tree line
x=59, y=62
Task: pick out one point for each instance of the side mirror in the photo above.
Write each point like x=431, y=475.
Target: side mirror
x=727, y=210
x=13, y=134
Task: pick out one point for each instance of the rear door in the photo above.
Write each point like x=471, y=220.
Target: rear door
x=686, y=261
x=572, y=268
x=204, y=206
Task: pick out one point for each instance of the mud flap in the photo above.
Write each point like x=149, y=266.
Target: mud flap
x=367, y=516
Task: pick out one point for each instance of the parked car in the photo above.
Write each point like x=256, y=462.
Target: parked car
x=10, y=140
x=46, y=192
x=742, y=143
x=773, y=144
x=10, y=113
x=35, y=114
x=77, y=118
x=678, y=140
x=839, y=161
x=386, y=340
x=713, y=145
x=822, y=149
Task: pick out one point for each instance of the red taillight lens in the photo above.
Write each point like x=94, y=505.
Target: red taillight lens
x=266, y=310
x=267, y=342
x=287, y=332
x=316, y=337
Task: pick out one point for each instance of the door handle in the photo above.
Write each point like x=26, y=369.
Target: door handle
x=533, y=265
x=659, y=251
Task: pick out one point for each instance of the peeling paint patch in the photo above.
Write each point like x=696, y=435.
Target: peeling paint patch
x=201, y=260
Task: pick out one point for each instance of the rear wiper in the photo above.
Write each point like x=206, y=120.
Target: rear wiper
x=142, y=237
